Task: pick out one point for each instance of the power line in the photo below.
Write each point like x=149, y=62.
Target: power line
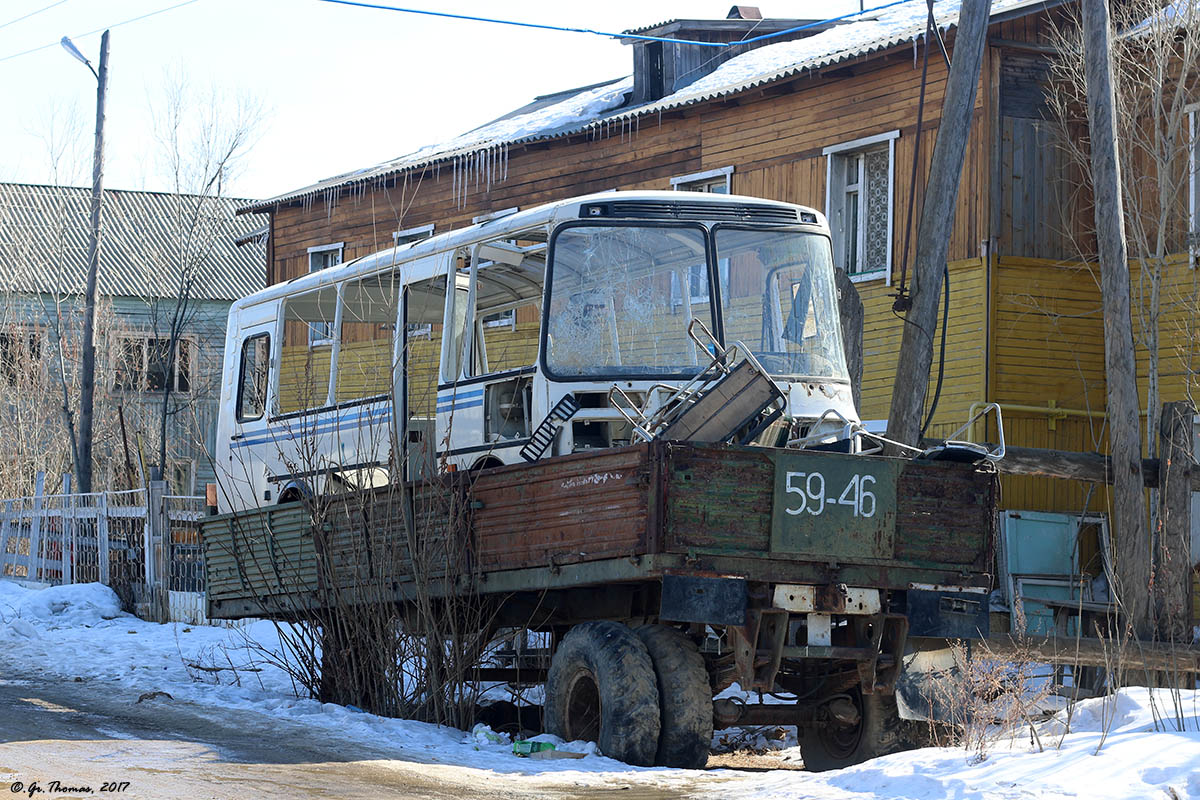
x=101, y=28
x=32, y=14
x=608, y=34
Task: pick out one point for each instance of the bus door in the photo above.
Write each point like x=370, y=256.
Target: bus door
x=249, y=435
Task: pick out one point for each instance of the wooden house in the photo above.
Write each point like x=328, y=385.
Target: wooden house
x=156, y=248
x=830, y=115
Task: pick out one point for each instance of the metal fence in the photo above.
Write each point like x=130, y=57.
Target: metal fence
x=143, y=543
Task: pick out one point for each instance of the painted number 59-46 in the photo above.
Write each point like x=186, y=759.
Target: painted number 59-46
x=810, y=486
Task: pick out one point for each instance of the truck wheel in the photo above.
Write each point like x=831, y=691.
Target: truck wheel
x=601, y=688
x=833, y=744
x=684, y=697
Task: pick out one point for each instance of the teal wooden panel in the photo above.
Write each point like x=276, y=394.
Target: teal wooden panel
x=1038, y=543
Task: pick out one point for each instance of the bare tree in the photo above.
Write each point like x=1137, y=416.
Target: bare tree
x=1155, y=75
x=203, y=138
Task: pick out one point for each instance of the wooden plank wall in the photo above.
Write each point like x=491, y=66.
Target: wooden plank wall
x=772, y=140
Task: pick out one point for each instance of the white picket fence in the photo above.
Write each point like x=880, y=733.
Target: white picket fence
x=143, y=543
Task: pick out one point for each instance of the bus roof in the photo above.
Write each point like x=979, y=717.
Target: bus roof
x=546, y=214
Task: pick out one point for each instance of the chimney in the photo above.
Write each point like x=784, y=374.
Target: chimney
x=744, y=12
x=663, y=68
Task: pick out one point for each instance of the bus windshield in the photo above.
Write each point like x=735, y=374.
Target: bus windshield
x=778, y=298
x=622, y=296
x=621, y=299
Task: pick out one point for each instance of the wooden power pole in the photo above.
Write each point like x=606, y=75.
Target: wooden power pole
x=937, y=217
x=87, y=380
x=1131, y=559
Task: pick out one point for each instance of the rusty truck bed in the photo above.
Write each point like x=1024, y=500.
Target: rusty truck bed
x=626, y=515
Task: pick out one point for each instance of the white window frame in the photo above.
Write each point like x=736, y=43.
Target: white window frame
x=407, y=235
x=681, y=183
x=325, y=248
x=504, y=319
x=315, y=339
x=420, y=330
x=841, y=150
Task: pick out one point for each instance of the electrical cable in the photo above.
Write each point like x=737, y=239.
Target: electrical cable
x=903, y=302
x=32, y=14
x=608, y=34
x=100, y=29
x=937, y=391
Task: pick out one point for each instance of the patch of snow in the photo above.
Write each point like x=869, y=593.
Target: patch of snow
x=1144, y=754
x=576, y=109
x=69, y=606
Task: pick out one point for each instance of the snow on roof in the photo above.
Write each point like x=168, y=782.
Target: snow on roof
x=595, y=107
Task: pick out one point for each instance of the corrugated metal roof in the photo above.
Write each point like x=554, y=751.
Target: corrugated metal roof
x=150, y=240
x=595, y=109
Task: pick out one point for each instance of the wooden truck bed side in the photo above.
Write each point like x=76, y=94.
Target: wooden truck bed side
x=630, y=514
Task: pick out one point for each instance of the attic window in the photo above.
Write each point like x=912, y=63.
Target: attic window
x=713, y=181
x=408, y=235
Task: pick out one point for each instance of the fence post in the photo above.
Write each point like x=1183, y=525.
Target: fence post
x=5, y=528
x=157, y=545
x=1173, y=576
x=102, y=536
x=68, y=524
x=35, y=527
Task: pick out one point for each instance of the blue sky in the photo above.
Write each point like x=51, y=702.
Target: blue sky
x=342, y=87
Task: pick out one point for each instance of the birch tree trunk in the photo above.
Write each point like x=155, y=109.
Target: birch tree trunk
x=1131, y=560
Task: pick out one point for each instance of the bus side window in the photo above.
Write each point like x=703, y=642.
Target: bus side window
x=252, y=377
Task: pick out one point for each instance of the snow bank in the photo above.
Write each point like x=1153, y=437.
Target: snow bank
x=78, y=632
x=68, y=606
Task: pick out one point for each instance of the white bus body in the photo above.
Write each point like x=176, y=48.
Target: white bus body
x=325, y=373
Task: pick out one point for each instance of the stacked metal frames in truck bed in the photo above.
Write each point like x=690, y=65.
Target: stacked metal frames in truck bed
x=628, y=515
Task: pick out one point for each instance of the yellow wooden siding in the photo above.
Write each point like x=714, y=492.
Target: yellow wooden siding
x=1179, y=338
x=963, y=383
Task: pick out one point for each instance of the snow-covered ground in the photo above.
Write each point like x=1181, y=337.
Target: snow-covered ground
x=79, y=632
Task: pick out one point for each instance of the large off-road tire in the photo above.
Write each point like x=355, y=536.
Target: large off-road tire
x=684, y=697
x=879, y=731
x=602, y=688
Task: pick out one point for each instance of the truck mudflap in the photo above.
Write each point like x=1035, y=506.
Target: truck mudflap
x=929, y=686
x=711, y=600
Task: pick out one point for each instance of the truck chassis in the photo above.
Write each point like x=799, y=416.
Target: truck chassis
x=664, y=572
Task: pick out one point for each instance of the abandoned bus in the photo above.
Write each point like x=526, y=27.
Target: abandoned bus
x=552, y=330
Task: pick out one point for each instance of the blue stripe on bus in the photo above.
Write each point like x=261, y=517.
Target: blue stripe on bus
x=320, y=426
x=459, y=406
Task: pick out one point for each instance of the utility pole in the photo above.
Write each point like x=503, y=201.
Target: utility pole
x=87, y=381
x=937, y=217
x=1132, y=555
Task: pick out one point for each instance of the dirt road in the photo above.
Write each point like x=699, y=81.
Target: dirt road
x=84, y=734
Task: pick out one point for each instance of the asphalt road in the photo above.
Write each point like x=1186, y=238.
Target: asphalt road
x=84, y=734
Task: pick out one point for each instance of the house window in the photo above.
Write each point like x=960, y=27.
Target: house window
x=20, y=353
x=713, y=181
x=418, y=330
x=144, y=364
x=858, y=202
x=697, y=279
x=304, y=359
x=409, y=235
x=505, y=319
x=323, y=257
